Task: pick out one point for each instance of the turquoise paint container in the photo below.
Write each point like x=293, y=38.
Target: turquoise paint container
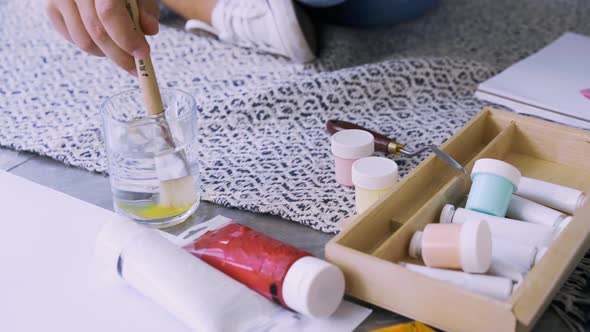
x=494, y=181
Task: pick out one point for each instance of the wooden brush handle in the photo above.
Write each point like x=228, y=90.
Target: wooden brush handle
x=382, y=142
x=145, y=70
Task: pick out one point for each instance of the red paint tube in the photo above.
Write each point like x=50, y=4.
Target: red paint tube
x=282, y=273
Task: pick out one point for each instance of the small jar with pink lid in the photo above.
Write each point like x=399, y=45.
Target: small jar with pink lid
x=348, y=146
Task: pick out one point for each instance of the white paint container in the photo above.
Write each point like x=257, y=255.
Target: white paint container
x=526, y=210
x=348, y=146
x=496, y=287
x=552, y=195
x=373, y=178
x=509, y=229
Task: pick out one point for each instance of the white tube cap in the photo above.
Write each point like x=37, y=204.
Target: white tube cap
x=476, y=247
x=352, y=144
x=447, y=213
x=313, y=287
x=499, y=168
x=415, y=250
x=374, y=173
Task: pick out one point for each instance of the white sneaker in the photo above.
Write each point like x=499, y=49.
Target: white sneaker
x=274, y=26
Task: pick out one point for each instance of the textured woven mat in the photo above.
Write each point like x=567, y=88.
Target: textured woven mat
x=263, y=145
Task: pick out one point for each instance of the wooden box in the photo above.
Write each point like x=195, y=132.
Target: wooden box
x=369, y=249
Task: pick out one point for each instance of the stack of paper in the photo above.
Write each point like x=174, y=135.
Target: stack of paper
x=553, y=83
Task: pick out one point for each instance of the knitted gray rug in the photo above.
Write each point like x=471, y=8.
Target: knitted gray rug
x=263, y=145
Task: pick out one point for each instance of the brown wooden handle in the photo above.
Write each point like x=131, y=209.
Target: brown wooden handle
x=382, y=142
x=145, y=70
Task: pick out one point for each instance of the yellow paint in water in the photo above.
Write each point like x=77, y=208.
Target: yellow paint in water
x=155, y=211
x=406, y=327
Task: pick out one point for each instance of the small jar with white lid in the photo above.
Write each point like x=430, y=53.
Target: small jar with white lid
x=494, y=182
x=348, y=146
x=373, y=178
x=454, y=246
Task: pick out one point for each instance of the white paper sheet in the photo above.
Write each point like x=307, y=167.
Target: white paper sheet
x=46, y=244
x=551, y=83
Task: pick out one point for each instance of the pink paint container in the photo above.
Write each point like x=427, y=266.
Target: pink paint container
x=468, y=247
x=348, y=146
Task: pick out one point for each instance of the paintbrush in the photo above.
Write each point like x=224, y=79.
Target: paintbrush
x=176, y=183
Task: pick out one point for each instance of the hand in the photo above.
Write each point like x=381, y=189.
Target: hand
x=104, y=27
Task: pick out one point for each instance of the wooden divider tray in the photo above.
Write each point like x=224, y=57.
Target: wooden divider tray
x=369, y=249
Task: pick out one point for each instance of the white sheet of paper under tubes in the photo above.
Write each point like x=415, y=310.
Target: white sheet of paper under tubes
x=46, y=249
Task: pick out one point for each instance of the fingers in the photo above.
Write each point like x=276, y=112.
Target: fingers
x=149, y=13
x=119, y=25
x=101, y=37
x=57, y=21
x=104, y=27
x=76, y=28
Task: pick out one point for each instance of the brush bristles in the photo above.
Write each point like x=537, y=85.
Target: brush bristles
x=178, y=193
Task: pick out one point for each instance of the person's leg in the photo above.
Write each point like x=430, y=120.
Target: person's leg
x=192, y=9
x=321, y=3
x=366, y=13
x=274, y=26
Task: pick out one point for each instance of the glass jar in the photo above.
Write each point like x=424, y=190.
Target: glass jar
x=152, y=159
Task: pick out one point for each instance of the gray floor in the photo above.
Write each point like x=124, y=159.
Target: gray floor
x=94, y=188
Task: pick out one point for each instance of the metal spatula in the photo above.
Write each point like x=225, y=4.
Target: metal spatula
x=387, y=145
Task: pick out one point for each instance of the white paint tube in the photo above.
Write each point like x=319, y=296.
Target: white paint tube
x=507, y=270
x=492, y=286
x=516, y=254
x=194, y=292
x=550, y=194
x=529, y=211
x=508, y=229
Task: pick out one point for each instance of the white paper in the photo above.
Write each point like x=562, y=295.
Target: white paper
x=552, y=83
x=46, y=246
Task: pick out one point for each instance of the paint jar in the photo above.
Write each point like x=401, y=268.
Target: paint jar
x=454, y=246
x=508, y=229
x=526, y=210
x=495, y=287
x=373, y=178
x=348, y=146
x=494, y=181
x=552, y=195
